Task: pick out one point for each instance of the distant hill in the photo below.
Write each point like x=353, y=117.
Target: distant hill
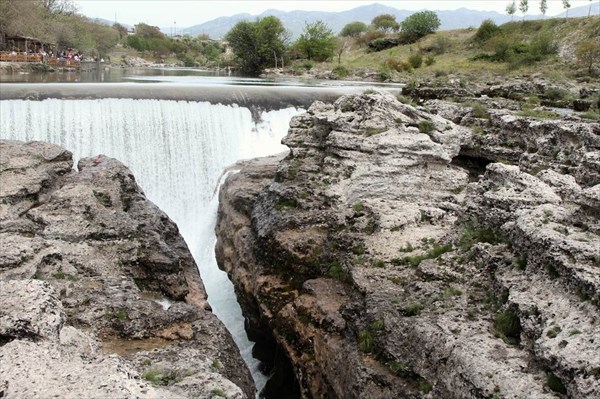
x=295, y=21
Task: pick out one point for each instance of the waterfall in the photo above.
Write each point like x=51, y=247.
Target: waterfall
x=177, y=151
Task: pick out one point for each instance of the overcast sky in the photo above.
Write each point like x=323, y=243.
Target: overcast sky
x=185, y=13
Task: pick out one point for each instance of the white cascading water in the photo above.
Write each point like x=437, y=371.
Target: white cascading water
x=177, y=151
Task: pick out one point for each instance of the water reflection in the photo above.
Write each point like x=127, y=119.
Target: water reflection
x=186, y=76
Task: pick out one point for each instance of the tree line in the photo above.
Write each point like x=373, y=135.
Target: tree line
x=265, y=42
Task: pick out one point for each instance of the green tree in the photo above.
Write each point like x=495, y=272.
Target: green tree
x=544, y=7
x=523, y=7
x=588, y=54
x=511, y=9
x=354, y=29
x=420, y=24
x=566, y=6
x=317, y=42
x=145, y=31
x=121, y=30
x=257, y=44
x=385, y=23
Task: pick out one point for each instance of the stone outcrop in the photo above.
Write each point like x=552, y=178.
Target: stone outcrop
x=100, y=294
x=390, y=255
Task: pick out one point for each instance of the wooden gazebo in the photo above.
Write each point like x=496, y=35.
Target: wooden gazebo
x=23, y=49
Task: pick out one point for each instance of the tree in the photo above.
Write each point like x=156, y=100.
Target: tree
x=121, y=29
x=385, y=22
x=420, y=24
x=354, y=29
x=544, y=7
x=316, y=42
x=511, y=9
x=145, y=31
x=523, y=7
x=257, y=44
x=588, y=54
x=566, y=6
x=342, y=45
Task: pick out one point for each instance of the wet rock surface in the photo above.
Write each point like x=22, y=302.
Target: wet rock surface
x=390, y=254
x=100, y=294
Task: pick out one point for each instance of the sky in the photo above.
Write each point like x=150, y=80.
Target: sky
x=185, y=13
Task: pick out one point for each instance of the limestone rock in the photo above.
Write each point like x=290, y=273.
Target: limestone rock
x=88, y=260
x=389, y=256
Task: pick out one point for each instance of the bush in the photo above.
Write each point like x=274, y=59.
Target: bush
x=508, y=327
x=415, y=60
x=430, y=60
x=398, y=66
x=486, y=31
x=385, y=73
x=419, y=25
x=383, y=43
x=587, y=54
x=354, y=29
x=441, y=44
x=341, y=71
x=368, y=37
x=426, y=127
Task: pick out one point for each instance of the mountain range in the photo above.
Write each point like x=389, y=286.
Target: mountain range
x=295, y=21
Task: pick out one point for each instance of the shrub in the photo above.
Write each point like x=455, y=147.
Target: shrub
x=415, y=60
x=420, y=24
x=555, y=384
x=353, y=29
x=365, y=341
x=587, y=54
x=487, y=30
x=426, y=127
x=441, y=44
x=368, y=37
x=479, y=110
x=385, y=73
x=412, y=310
x=341, y=71
x=508, y=327
x=430, y=60
x=307, y=65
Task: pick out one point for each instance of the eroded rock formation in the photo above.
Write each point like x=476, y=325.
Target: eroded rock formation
x=391, y=256
x=99, y=294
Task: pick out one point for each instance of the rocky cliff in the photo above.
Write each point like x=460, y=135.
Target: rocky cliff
x=402, y=252
x=100, y=296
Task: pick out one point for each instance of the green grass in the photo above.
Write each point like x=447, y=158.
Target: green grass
x=365, y=341
x=426, y=127
x=416, y=260
x=414, y=309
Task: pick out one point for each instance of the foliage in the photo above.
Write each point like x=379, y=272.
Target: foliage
x=354, y=29
x=369, y=36
x=426, y=126
x=342, y=44
x=257, y=44
x=486, y=30
x=511, y=8
x=587, y=54
x=544, y=6
x=508, y=327
x=472, y=234
x=419, y=25
x=555, y=384
x=415, y=60
x=317, y=42
x=385, y=23
x=523, y=6
x=56, y=21
x=341, y=71
x=365, y=341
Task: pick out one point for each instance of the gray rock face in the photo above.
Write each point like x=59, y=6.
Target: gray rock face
x=386, y=268
x=100, y=294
